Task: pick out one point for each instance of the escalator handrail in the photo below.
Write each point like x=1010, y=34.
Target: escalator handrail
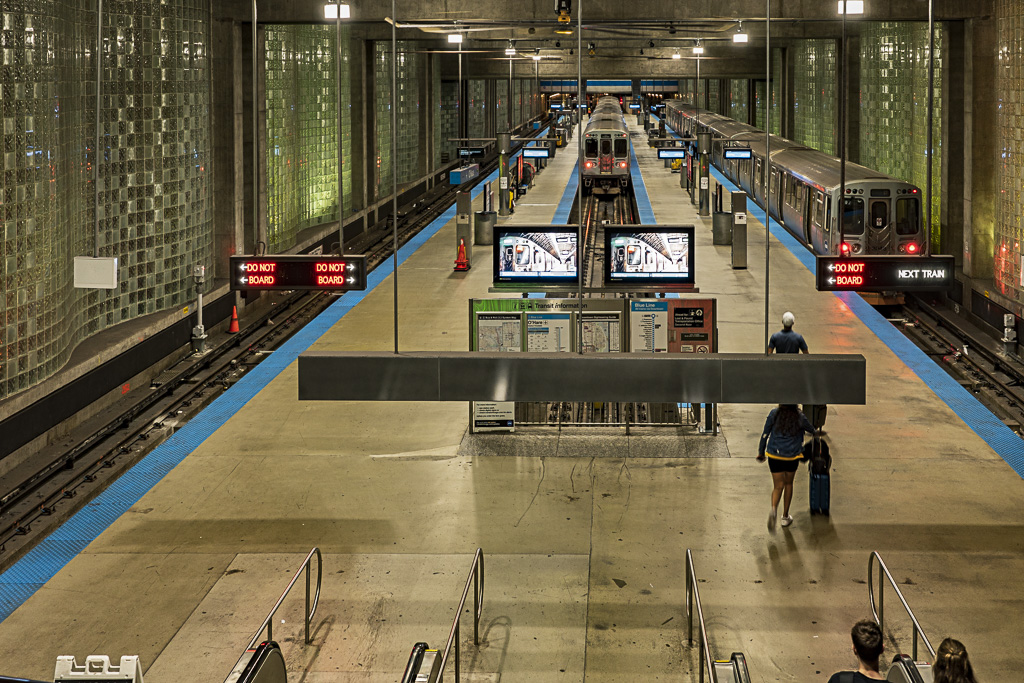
x=739, y=668
x=693, y=598
x=909, y=668
x=268, y=623
x=879, y=612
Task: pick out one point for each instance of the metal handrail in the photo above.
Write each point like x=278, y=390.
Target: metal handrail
x=692, y=597
x=268, y=623
x=879, y=614
x=475, y=579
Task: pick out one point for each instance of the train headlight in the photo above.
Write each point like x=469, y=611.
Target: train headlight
x=844, y=249
x=588, y=164
x=623, y=164
x=911, y=248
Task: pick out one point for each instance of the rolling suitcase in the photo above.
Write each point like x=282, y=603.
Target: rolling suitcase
x=820, y=461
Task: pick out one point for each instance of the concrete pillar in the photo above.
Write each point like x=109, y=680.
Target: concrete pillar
x=228, y=120
x=361, y=115
x=980, y=148
x=425, y=95
x=954, y=67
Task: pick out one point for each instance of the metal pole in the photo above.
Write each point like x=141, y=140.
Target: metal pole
x=394, y=156
x=96, y=142
x=341, y=182
x=458, y=99
x=580, y=95
x=841, y=209
x=255, y=137
x=767, y=164
x=508, y=109
x=928, y=137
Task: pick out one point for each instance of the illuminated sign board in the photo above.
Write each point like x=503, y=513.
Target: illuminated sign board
x=634, y=105
x=649, y=254
x=467, y=152
x=672, y=153
x=327, y=273
x=884, y=273
x=556, y=107
x=536, y=153
x=535, y=254
x=738, y=153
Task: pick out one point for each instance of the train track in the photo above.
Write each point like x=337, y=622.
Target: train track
x=48, y=488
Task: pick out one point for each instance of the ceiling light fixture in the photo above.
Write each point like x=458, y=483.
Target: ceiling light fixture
x=454, y=37
x=331, y=11
x=740, y=36
x=510, y=50
x=851, y=6
x=676, y=55
x=698, y=50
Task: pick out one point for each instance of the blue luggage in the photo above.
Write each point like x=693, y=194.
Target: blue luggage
x=820, y=493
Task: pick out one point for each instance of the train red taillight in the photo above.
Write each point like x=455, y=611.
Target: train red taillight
x=911, y=248
x=588, y=164
x=844, y=249
x=623, y=164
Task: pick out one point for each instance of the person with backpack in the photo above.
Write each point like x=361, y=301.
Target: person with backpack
x=867, y=646
x=782, y=443
x=951, y=664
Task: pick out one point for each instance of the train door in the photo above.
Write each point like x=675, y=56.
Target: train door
x=607, y=160
x=879, y=217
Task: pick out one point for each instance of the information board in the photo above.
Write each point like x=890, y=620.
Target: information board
x=536, y=153
x=692, y=326
x=470, y=152
x=304, y=272
x=648, y=326
x=884, y=273
x=738, y=153
x=672, y=153
x=497, y=333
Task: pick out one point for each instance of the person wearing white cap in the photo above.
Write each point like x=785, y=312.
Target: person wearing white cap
x=786, y=340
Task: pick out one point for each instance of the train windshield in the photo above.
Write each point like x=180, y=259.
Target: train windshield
x=606, y=146
x=621, y=150
x=853, y=216
x=908, y=216
x=591, y=147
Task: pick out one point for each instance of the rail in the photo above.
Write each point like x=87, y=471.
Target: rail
x=879, y=613
x=693, y=598
x=268, y=623
x=476, y=580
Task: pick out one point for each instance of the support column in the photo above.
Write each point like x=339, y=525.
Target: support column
x=228, y=120
x=980, y=149
x=954, y=66
x=853, y=99
x=424, y=82
x=360, y=122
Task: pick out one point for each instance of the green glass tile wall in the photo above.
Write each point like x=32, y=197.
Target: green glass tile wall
x=688, y=90
x=410, y=65
x=435, y=84
x=893, y=106
x=302, y=133
x=476, y=101
x=814, y=94
x=155, y=211
x=714, y=98
x=449, y=118
x=1009, y=228
x=739, y=99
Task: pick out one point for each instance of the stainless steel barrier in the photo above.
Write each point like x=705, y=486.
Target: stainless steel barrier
x=476, y=580
x=268, y=623
x=879, y=613
x=693, y=598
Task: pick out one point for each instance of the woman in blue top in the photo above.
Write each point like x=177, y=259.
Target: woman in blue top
x=783, y=442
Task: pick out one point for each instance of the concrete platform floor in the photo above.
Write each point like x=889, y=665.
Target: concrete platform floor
x=585, y=555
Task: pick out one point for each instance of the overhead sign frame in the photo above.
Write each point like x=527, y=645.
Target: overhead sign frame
x=884, y=273
x=298, y=272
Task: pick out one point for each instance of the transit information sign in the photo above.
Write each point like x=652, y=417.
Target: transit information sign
x=884, y=273
x=326, y=273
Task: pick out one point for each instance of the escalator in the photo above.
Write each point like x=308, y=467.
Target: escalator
x=905, y=670
x=732, y=670
x=261, y=664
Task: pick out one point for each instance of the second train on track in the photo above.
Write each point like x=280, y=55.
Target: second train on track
x=606, y=149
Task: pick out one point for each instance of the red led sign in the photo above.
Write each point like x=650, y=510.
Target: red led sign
x=884, y=273
x=328, y=273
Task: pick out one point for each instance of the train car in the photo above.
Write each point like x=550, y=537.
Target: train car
x=606, y=149
x=881, y=214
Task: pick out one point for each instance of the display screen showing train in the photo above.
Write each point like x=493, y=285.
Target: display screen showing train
x=535, y=254
x=606, y=149
x=880, y=214
x=649, y=255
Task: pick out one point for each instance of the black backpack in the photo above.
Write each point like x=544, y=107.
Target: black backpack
x=816, y=453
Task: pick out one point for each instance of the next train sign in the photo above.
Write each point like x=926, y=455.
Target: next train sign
x=325, y=273
x=884, y=273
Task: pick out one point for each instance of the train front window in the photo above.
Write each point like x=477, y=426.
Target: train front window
x=853, y=216
x=591, y=147
x=621, y=150
x=606, y=146
x=879, y=214
x=908, y=216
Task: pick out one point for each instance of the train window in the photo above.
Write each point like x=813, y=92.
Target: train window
x=621, y=148
x=775, y=181
x=853, y=216
x=591, y=147
x=794, y=193
x=908, y=216
x=606, y=146
x=880, y=192
x=879, y=214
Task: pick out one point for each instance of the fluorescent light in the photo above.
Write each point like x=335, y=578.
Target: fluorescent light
x=855, y=6
x=739, y=37
x=677, y=56
x=510, y=51
x=536, y=58
x=331, y=11
x=698, y=50
x=454, y=37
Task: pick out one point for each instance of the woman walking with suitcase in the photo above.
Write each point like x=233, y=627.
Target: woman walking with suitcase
x=782, y=442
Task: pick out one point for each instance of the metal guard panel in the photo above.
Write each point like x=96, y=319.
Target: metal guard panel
x=699, y=378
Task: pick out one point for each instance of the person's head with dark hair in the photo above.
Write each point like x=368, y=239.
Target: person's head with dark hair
x=952, y=664
x=867, y=642
x=787, y=420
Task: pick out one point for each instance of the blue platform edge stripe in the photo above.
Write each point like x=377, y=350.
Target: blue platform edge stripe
x=19, y=582
x=980, y=419
x=644, y=208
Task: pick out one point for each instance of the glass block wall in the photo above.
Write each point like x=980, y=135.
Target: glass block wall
x=893, y=106
x=814, y=94
x=408, y=137
x=688, y=90
x=759, y=90
x=449, y=118
x=714, y=95
x=501, y=106
x=302, y=130
x=476, y=101
x=155, y=208
x=738, y=99
x=435, y=86
x=1009, y=227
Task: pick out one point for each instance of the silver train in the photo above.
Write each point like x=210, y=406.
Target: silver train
x=606, y=149
x=881, y=214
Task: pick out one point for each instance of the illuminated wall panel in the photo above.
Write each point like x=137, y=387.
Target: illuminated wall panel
x=814, y=94
x=1009, y=228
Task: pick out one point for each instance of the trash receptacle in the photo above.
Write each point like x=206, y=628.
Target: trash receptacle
x=483, y=227
x=721, y=228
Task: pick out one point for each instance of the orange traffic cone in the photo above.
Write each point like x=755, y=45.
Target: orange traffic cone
x=233, y=327
x=461, y=262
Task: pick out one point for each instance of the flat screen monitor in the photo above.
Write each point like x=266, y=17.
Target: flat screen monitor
x=536, y=152
x=672, y=153
x=649, y=254
x=738, y=153
x=535, y=254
